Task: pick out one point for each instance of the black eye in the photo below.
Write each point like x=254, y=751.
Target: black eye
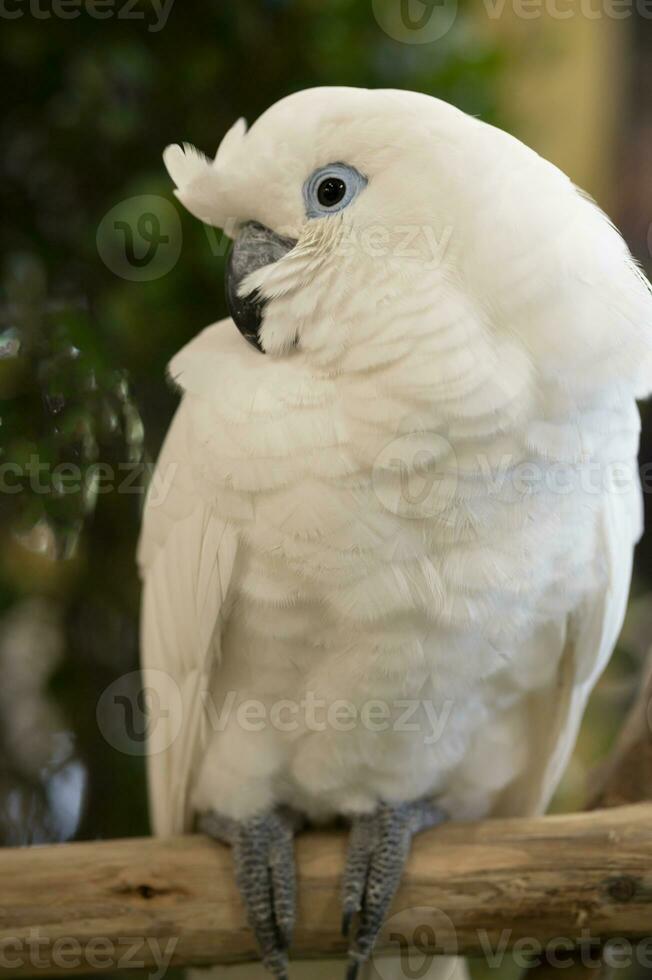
x=331, y=191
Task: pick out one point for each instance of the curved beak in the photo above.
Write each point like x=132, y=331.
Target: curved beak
x=254, y=247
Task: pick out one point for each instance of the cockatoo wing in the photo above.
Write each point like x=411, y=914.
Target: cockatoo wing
x=587, y=639
x=186, y=556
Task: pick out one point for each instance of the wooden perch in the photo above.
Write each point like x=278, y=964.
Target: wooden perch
x=88, y=907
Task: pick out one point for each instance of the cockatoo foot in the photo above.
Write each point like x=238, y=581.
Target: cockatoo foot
x=378, y=848
x=263, y=855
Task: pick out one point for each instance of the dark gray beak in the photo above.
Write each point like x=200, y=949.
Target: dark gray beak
x=254, y=247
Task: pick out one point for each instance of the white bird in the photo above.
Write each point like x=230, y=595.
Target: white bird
x=387, y=551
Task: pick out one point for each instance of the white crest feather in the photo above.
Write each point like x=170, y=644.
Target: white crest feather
x=231, y=143
x=185, y=163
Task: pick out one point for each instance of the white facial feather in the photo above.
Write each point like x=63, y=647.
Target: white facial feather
x=451, y=202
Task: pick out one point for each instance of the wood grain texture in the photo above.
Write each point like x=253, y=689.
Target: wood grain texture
x=492, y=882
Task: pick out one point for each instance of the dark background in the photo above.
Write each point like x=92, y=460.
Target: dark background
x=85, y=333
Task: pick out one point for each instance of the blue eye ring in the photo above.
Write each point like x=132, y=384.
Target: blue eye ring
x=331, y=189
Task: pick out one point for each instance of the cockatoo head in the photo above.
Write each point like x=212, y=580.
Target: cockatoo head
x=368, y=218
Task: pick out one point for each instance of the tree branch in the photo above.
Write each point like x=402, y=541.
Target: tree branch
x=492, y=883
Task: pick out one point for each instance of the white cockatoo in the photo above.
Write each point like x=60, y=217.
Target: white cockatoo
x=387, y=550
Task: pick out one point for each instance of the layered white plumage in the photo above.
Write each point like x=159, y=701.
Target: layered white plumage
x=432, y=497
